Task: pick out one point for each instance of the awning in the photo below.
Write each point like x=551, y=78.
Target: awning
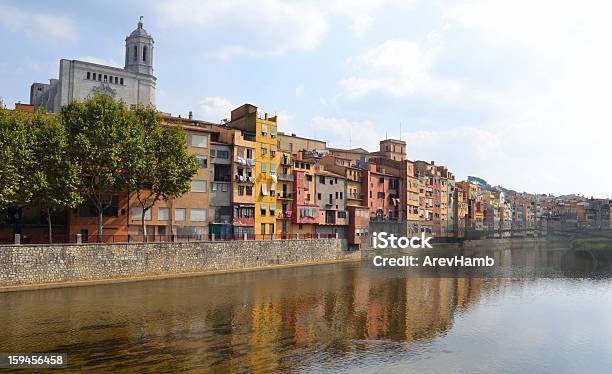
x=264, y=190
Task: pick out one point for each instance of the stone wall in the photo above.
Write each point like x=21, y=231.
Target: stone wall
x=56, y=264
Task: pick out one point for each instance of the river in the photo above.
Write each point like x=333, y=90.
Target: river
x=339, y=317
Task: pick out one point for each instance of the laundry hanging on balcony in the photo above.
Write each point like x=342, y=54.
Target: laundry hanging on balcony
x=264, y=190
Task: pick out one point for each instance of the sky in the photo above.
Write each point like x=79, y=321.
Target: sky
x=513, y=92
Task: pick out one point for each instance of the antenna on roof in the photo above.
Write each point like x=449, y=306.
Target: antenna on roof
x=400, y=131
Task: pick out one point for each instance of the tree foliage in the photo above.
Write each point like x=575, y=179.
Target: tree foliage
x=56, y=178
x=104, y=141
x=16, y=158
x=165, y=167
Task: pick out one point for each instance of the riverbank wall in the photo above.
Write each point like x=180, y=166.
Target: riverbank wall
x=44, y=266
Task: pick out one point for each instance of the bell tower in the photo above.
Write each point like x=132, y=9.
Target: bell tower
x=139, y=51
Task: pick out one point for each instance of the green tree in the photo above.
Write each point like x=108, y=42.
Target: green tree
x=56, y=178
x=104, y=142
x=165, y=167
x=16, y=159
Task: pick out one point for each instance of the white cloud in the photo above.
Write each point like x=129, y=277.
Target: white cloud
x=38, y=25
x=395, y=67
x=214, y=109
x=344, y=133
x=273, y=26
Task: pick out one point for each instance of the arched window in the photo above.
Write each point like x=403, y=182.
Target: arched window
x=144, y=54
x=135, y=53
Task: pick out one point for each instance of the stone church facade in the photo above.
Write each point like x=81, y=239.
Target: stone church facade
x=134, y=84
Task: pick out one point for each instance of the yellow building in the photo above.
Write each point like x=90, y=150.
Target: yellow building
x=264, y=131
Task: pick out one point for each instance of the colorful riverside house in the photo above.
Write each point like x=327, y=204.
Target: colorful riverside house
x=461, y=209
x=243, y=179
x=445, y=177
x=285, y=195
x=264, y=131
x=305, y=209
x=333, y=216
x=384, y=187
x=410, y=195
x=220, y=195
x=354, y=177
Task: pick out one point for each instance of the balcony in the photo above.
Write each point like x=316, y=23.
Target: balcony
x=243, y=221
x=285, y=215
x=285, y=177
x=286, y=160
x=244, y=179
x=354, y=196
x=285, y=195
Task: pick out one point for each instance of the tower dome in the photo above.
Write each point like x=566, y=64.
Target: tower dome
x=139, y=51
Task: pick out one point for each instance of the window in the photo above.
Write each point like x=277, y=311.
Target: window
x=88, y=75
x=272, y=168
x=179, y=214
x=273, y=131
x=271, y=228
x=240, y=190
x=381, y=180
x=137, y=214
x=99, y=77
x=341, y=197
x=272, y=208
x=272, y=152
x=163, y=214
x=381, y=195
x=116, y=80
x=290, y=147
x=121, y=81
x=319, y=196
x=262, y=209
x=197, y=215
x=264, y=129
x=264, y=167
x=249, y=153
x=200, y=141
x=321, y=179
x=341, y=214
x=263, y=228
x=144, y=54
x=135, y=53
x=199, y=186
x=336, y=194
x=331, y=182
x=94, y=76
x=249, y=190
x=222, y=154
x=105, y=78
x=202, y=161
x=264, y=151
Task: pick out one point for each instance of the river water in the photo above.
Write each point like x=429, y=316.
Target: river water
x=342, y=317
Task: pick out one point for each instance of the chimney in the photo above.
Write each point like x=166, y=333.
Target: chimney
x=432, y=163
x=190, y=114
x=265, y=116
x=293, y=134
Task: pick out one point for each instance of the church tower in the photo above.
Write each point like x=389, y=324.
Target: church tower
x=139, y=51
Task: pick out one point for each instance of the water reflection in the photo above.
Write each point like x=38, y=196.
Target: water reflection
x=342, y=316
